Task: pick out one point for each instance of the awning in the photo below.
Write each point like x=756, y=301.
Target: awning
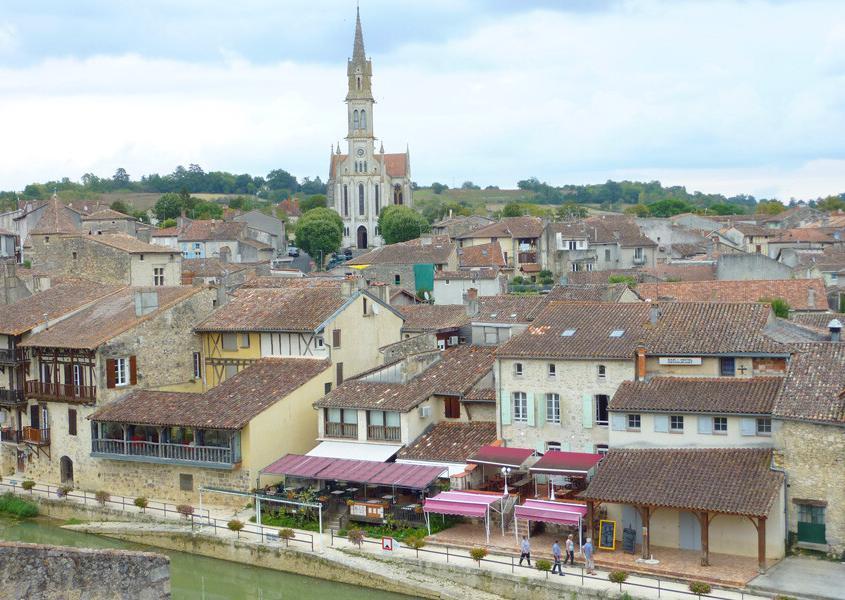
x=296, y=465
x=454, y=468
x=550, y=512
x=416, y=477
x=466, y=504
x=355, y=450
x=500, y=456
x=566, y=463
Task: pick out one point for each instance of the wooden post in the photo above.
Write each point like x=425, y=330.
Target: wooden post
x=761, y=544
x=704, y=521
x=591, y=509
x=645, y=515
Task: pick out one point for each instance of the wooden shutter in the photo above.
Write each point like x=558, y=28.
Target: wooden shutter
x=661, y=423
x=748, y=426
x=110, y=372
x=505, y=407
x=339, y=373
x=453, y=407
x=529, y=402
x=617, y=421
x=542, y=406
x=586, y=411
x=705, y=424
x=133, y=370
x=336, y=338
x=71, y=421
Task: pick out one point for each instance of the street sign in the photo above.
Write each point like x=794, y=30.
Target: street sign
x=387, y=543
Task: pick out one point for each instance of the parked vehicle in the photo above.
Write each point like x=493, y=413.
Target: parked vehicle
x=293, y=251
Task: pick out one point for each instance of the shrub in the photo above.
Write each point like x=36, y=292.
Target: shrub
x=28, y=484
x=236, y=526
x=478, y=553
x=18, y=507
x=544, y=565
x=142, y=503
x=546, y=274
x=286, y=534
x=64, y=490
x=617, y=576
x=699, y=587
x=415, y=541
x=102, y=497
x=518, y=280
x=355, y=536
x=186, y=510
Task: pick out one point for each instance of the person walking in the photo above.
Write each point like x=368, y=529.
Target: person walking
x=556, y=555
x=525, y=551
x=587, y=551
x=570, y=551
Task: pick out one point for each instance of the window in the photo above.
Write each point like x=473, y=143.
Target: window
x=74, y=255
x=363, y=112
x=634, y=422
x=196, y=245
x=517, y=369
x=346, y=203
x=552, y=370
x=336, y=338
x=121, y=371
x=397, y=279
x=602, y=400
x=810, y=513
x=602, y=372
x=572, y=245
x=638, y=253
x=607, y=255
x=574, y=267
x=71, y=421
x=568, y=333
x=727, y=366
x=158, y=276
x=676, y=423
x=520, y=407
x=244, y=340
x=601, y=449
x=361, y=199
x=764, y=426
x=589, y=266
x=378, y=200
x=720, y=425
x=452, y=406
x=339, y=369
x=197, y=365
x=553, y=446
x=186, y=482
x=142, y=257
x=327, y=387
x=365, y=307
x=553, y=408
x=320, y=342
x=231, y=371
x=617, y=333
x=355, y=120
x=230, y=342
x=46, y=239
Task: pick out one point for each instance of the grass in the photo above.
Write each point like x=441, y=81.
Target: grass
x=289, y=521
x=17, y=507
x=74, y=522
x=401, y=533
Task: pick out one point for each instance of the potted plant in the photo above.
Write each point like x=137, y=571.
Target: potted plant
x=415, y=541
x=478, y=553
x=102, y=497
x=544, y=566
x=236, y=526
x=618, y=577
x=287, y=534
x=186, y=510
x=64, y=490
x=699, y=587
x=28, y=485
x=142, y=503
x=355, y=536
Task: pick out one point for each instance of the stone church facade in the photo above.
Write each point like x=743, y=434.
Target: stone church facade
x=364, y=181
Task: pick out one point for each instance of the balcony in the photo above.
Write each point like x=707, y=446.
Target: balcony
x=10, y=436
x=67, y=392
x=36, y=436
x=527, y=257
x=342, y=430
x=215, y=457
x=12, y=357
x=385, y=433
x=12, y=398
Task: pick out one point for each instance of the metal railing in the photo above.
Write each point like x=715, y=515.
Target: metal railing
x=384, y=432
x=202, y=454
x=61, y=391
x=12, y=356
x=527, y=257
x=11, y=436
x=12, y=397
x=39, y=436
x=341, y=430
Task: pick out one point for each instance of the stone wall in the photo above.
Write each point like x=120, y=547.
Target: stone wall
x=750, y=266
x=47, y=572
x=103, y=264
x=425, y=342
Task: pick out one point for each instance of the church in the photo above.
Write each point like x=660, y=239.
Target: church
x=364, y=181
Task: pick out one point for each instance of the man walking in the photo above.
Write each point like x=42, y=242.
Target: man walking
x=556, y=554
x=525, y=551
x=570, y=551
x=587, y=551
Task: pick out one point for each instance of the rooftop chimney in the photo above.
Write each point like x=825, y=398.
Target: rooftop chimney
x=811, y=297
x=347, y=286
x=835, y=328
x=146, y=301
x=471, y=298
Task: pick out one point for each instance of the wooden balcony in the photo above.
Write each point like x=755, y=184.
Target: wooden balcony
x=527, y=257
x=10, y=436
x=205, y=456
x=36, y=436
x=12, y=398
x=388, y=434
x=66, y=392
x=12, y=357
x=342, y=430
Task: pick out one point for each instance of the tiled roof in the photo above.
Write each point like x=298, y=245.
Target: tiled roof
x=21, y=316
x=735, y=395
x=468, y=274
x=508, y=227
x=750, y=229
x=609, y=229
x=611, y=292
x=725, y=480
x=794, y=291
x=55, y=218
x=275, y=309
x=509, y=309
x=831, y=259
x=230, y=405
x=814, y=384
x=433, y=317
x=166, y=232
x=106, y=319
x=450, y=442
x=211, y=267
x=130, y=244
x=817, y=320
x=482, y=394
x=482, y=255
x=256, y=244
x=436, y=250
x=271, y=281
x=457, y=371
x=596, y=277
x=791, y=332
x=682, y=272
x=107, y=214
x=207, y=230
x=803, y=234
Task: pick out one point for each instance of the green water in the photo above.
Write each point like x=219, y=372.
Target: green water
x=198, y=577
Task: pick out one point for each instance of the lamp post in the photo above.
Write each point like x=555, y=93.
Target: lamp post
x=506, y=471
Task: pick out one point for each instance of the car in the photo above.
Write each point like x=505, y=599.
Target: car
x=293, y=251
x=348, y=253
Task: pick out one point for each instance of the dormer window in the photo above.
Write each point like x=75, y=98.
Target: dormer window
x=568, y=333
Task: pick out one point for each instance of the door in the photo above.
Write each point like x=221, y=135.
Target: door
x=362, y=237
x=66, y=470
x=690, y=531
x=35, y=416
x=631, y=518
x=811, y=528
x=21, y=461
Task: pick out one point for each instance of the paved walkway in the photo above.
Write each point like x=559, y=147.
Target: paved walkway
x=804, y=577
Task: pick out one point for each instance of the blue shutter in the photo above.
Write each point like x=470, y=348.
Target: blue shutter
x=705, y=424
x=505, y=407
x=542, y=407
x=617, y=421
x=661, y=423
x=587, y=408
x=529, y=400
x=748, y=426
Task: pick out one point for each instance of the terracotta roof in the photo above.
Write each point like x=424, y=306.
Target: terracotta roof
x=725, y=480
x=509, y=309
x=166, y=232
x=433, y=317
x=484, y=394
x=803, y=235
x=682, y=272
x=107, y=214
x=831, y=259
x=734, y=395
x=21, y=316
x=230, y=405
x=207, y=230
x=256, y=244
x=814, y=385
x=609, y=229
x=508, y=227
x=130, y=244
x=611, y=292
x=817, y=320
x=272, y=281
x=106, y=319
x=470, y=274
x=436, y=250
x=275, y=309
x=482, y=255
x=457, y=371
x=790, y=332
x=794, y=291
x=450, y=442
x=595, y=277
x=55, y=218
x=750, y=229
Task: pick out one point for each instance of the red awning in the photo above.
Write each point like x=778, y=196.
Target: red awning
x=344, y=469
x=408, y=476
x=566, y=463
x=550, y=512
x=466, y=504
x=295, y=465
x=501, y=456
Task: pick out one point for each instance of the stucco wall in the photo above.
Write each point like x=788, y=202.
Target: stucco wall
x=142, y=273
x=451, y=291
x=647, y=437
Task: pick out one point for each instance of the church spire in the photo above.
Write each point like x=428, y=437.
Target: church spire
x=358, y=47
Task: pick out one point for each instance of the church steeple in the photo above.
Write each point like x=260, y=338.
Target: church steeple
x=358, y=55
x=359, y=96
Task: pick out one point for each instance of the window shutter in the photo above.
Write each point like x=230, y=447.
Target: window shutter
x=587, y=411
x=542, y=408
x=748, y=426
x=110, y=372
x=339, y=373
x=336, y=338
x=661, y=423
x=133, y=370
x=505, y=401
x=705, y=424
x=529, y=399
x=617, y=421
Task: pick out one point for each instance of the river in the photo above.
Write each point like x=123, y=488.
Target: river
x=197, y=577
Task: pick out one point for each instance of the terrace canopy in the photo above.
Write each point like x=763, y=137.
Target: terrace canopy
x=561, y=513
x=500, y=456
x=465, y=504
x=559, y=465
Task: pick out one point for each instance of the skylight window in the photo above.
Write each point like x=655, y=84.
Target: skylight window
x=494, y=315
x=568, y=333
x=513, y=315
x=617, y=333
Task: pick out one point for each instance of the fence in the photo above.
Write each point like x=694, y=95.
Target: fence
x=264, y=534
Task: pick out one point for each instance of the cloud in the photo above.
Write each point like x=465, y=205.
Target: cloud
x=8, y=38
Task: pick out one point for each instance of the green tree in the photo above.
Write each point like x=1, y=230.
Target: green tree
x=830, y=204
x=121, y=207
x=167, y=223
x=439, y=188
x=638, y=210
x=400, y=224
x=468, y=185
x=669, y=207
x=318, y=237
x=570, y=210
x=724, y=208
x=315, y=201
x=770, y=207
x=779, y=306
x=513, y=209
x=121, y=178
x=169, y=206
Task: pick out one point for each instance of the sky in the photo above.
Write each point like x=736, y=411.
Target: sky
x=719, y=96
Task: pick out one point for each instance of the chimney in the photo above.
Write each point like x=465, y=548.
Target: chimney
x=639, y=365
x=347, y=286
x=811, y=297
x=471, y=299
x=835, y=328
x=224, y=254
x=653, y=313
x=146, y=301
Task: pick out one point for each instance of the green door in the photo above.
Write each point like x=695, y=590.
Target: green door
x=811, y=524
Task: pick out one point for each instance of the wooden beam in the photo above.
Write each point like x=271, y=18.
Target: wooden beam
x=704, y=521
x=645, y=515
x=761, y=544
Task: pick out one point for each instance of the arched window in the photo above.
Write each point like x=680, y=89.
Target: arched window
x=345, y=201
x=363, y=119
x=355, y=120
x=397, y=194
x=360, y=198
x=378, y=200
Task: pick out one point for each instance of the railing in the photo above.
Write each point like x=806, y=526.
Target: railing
x=61, y=391
x=35, y=435
x=381, y=432
x=341, y=430
x=12, y=356
x=639, y=260
x=182, y=452
x=10, y=436
x=12, y=397
x=527, y=257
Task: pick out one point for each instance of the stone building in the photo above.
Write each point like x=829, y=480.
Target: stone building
x=107, y=220
x=520, y=239
x=363, y=181
x=410, y=265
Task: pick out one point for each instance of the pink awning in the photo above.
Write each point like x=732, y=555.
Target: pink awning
x=566, y=463
x=296, y=465
x=501, y=456
x=467, y=504
x=550, y=512
x=416, y=477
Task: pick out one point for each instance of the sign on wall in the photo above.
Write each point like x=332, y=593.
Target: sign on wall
x=607, y=535
x=680, y=360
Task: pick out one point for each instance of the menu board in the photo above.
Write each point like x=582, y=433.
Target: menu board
x=629, y=540
x=607, y=535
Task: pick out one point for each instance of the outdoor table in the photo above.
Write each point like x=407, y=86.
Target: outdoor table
x=387, y=497
x=351, y=489
x=337, y=492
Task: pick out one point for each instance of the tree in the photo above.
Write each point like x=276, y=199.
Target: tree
x=279, y=179
x=779, y=306
x=121, y=177
x=570, y=210
x=513, y=209
x=319, y=236
x=638, y=210
x=315, y=201
x=725, y=208
x=831, y=204
x=167, y=223
x=669, y=207
x=468, y=185
x=121, y=207
x=770, y=207
x=400, y=224
x=439, y=188
x=169, y=206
